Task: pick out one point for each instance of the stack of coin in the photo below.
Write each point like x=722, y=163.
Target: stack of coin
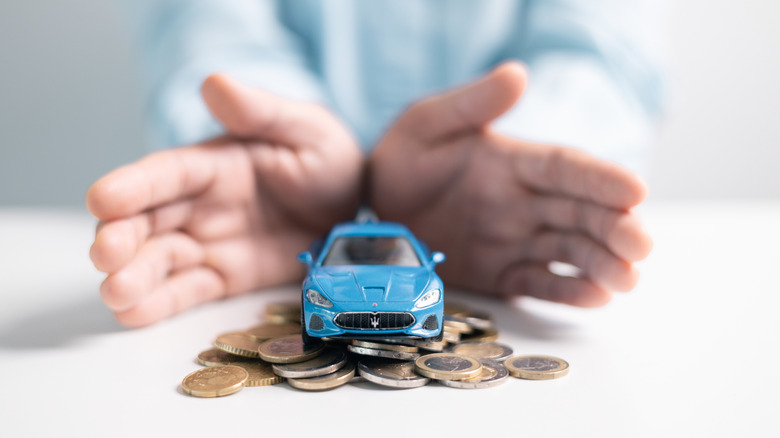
x=270, y=353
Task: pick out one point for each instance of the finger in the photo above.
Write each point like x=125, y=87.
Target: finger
x=149, y=269
x=537, y=281
x=157, y=179
x=467, y=108
x=118, y=241
x=597, y=263
x=182, y=291
x=621, y=232
x=571, y=172
x=247, y=112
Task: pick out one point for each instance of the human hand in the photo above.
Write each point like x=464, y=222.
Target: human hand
x=502, y=208
x=197, y=223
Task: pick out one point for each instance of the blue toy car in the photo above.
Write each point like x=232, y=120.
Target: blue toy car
x=371, y=280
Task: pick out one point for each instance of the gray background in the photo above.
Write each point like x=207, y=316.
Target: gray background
x=70, y=108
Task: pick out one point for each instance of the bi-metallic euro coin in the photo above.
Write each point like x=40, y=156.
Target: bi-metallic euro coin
x=537, y=367
x=447, y=366
x=492, y=374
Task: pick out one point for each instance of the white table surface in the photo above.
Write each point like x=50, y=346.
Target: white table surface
x=693, y=351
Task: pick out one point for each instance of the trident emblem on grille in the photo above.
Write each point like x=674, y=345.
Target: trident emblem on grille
x=374, y=320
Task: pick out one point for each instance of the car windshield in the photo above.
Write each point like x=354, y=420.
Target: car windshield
x=359, y=250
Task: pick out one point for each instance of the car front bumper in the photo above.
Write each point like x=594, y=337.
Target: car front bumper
x=329, y=327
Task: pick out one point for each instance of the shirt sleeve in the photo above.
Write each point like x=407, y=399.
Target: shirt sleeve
x=594, y=83
x=181, y=42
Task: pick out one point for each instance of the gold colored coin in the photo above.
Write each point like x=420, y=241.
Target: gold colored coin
x=264, y=332
x=215, y=381
x=381, y=346
x=288, y=349
x=455, y=309
x=238, y=343
x=450, y=335
x=285, y=309
x=283, y=319
x=536, y=367
x=483, y=350
x=457, y=325
x=260, y=373
x=448, y=366
x=328, y=381
x=215, y=357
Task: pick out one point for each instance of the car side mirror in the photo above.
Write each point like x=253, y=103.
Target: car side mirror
x=437, y=257
x=306, y=258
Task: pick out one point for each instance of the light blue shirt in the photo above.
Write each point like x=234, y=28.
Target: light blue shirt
x=593, y=81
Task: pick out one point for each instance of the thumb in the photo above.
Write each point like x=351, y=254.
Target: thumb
x=251, y=113
x=470, y=107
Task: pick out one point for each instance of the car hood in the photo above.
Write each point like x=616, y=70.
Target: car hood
x=372, y=283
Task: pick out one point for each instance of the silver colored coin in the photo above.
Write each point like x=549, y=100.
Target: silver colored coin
x=392, y=374
x=382, y=353
x=493, y=374
x=419, y=343
x=483, y=350
x=383, y=346
x=479, y=320
x=328, y=381
x=329, y=361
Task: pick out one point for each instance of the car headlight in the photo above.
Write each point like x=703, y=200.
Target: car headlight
x=428, y=299
x=317, y=299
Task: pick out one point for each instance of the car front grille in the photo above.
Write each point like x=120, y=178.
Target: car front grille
x=374, y=320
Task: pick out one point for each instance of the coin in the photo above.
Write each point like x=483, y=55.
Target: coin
x=215, y=357
x=215, y=381
x=483, y=350
x=382, y=346
x=288, y=349
x=283, y=319
x=455, y=309
x=329, y=361
x=391, y=373
x=487, y=335
x=419, y=343
x=382, y=353
x=479, y=320
x=457, y=324
x=450, y=335
x=291, y=309
x=447, y=366
x=328, y=381
x=493, y=374
x=537, y=367
x=260, y=373
x=238, y=343
x=264, y=332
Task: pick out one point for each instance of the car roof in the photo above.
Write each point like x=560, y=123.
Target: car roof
x=370, y=229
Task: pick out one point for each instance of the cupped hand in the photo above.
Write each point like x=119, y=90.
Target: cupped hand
x=502, y=209
x=197, y=223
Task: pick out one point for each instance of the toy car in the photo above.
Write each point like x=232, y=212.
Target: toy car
x=371, y=280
